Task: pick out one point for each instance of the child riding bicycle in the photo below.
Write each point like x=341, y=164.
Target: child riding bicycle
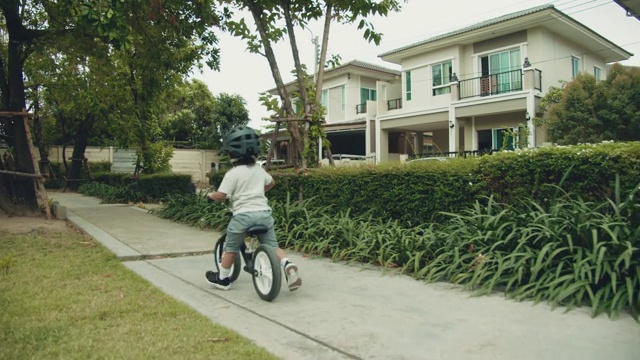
x=245, y=186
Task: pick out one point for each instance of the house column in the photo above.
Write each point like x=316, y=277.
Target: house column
x=382, y=144
x=531, y=111
x=367, y=137
x=319, y=149
x=474, y=135
x=418, y=144
x=453, y=130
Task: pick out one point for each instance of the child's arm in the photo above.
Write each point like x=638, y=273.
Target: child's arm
x=269, y=186
x=218, y=196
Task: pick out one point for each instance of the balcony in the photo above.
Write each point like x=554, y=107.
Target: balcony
x=394, y=104
x=496, y=84
x=361, y=108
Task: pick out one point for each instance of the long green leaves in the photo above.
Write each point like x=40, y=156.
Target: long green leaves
x=565, y=251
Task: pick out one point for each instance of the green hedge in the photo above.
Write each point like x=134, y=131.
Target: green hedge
x=420, y=192
x=412, y=194
x=154, y=186
x=586, y=170
x=57, y=181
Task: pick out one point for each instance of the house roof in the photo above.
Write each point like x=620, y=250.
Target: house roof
x=545, y=15
x=632, y=7
x=364, y=65
x=354, y=66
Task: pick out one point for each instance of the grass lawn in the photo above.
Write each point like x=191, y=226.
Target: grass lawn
x=64, y=296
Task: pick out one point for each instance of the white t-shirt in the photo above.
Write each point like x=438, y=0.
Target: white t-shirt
x=244, y=185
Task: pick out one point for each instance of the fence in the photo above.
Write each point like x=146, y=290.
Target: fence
x=196, y=163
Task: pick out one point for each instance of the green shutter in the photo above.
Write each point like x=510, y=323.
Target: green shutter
x=408, y=84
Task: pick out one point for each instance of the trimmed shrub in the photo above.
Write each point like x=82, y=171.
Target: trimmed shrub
x=412, y=194
x=59, y=173
x=420, y=192
x=123, y=188
x=587, y=170
x=160, y=186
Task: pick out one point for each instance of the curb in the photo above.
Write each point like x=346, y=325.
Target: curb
x=123, y=252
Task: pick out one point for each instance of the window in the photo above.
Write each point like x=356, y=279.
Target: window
x=343, y=96
x=575, y=66
x=407, y=79
x=504, y=139
x=597, y=73
x=298, y=106
x=500, y=72
x=324, y=99
x=441, y=74
x=367, y=94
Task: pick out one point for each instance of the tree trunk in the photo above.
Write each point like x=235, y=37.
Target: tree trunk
x=321, y=61
x=77, y=157
x=302, y=90
x=39, y=139
x=293, y=127
x=22, y=200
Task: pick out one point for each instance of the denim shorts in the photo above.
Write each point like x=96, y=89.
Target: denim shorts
x=240, y=223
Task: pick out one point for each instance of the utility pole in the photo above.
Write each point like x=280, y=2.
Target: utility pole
x=316, y=57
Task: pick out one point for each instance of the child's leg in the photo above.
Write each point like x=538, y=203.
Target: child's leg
x=226, y=263
x=290, y=269
x=235, y=237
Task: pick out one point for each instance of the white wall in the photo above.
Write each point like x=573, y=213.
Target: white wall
x=196, y=163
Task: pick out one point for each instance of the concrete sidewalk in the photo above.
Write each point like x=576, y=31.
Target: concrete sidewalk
x=348, y=312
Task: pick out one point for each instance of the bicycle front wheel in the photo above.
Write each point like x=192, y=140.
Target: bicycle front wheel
x=267, y=276
x=217, y=256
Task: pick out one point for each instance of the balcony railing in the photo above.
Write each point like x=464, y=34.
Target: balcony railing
x=494, y=84
x=458, y=154
x=394, y=104
x=361, y=108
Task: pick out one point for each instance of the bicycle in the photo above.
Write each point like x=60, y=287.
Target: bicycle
x=260, y=261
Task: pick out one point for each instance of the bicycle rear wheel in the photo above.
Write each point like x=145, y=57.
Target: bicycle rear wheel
x=267, y=276
x=217, y=256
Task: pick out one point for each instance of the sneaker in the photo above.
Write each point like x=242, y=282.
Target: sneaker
x=293, y=277
x=214, y=279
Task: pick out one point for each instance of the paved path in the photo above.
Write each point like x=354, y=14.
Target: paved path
x=348, y=312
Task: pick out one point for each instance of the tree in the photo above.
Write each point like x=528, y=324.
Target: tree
x=275, y=20
x=181, y=32
x=585, y=110
x=229, y=111
x=82, y=90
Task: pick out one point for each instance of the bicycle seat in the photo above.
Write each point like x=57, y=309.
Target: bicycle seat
x=257, y=230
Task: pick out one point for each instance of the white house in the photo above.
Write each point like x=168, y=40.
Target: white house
x=467, y=91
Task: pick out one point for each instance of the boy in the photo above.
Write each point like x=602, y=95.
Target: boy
x=245, y=185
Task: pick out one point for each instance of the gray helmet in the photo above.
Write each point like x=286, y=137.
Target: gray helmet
x=241, y=141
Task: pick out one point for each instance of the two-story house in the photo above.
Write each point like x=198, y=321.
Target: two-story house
x=477, y=88
x=349, y=96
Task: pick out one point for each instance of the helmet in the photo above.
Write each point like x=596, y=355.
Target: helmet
x=241, y=141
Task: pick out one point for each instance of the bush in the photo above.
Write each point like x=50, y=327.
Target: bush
x=161, y=186
x=569, y=252
x=421, y=192
x=409, y=194
x=59, y=173
x=588, y=170
x=123, y=188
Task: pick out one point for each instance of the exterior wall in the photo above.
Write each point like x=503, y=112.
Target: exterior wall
x=91, y=153
x=196, y=163
x=551, y=53
x=421, y=79
x=352, y=85
x=334, y=102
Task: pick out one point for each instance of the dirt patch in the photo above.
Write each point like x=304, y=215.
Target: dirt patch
x=27, y=224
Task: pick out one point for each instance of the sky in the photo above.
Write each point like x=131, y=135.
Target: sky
x=248, y=74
